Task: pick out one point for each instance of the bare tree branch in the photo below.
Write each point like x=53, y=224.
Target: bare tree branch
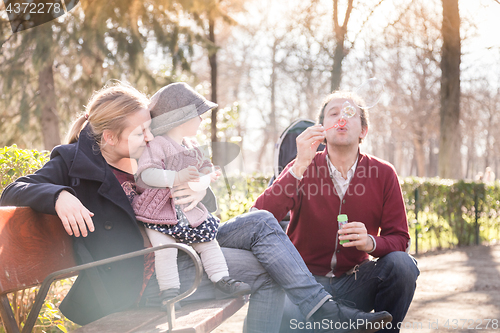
x=400, y=16
x=365, y=21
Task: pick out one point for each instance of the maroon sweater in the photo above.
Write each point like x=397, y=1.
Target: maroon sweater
x=374, y=197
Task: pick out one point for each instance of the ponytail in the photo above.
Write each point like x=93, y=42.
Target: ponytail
x=75, y=129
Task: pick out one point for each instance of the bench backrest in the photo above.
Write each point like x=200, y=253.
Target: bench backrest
x=32, y=245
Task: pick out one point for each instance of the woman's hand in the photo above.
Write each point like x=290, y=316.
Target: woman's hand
x=183, y=194
x=74, y=215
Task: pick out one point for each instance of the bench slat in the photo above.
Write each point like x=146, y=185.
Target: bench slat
x=199, y=319
x=191, y=318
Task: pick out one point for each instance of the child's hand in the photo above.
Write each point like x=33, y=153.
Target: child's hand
x=204, y=181
x=188, y=174
x=216, y=173
x=206, y=170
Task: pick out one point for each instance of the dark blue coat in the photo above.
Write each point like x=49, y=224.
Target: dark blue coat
x=81, y=169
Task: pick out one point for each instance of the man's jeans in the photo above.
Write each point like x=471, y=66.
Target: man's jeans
x=259, y=253
x=384, y=284
x=260, y=233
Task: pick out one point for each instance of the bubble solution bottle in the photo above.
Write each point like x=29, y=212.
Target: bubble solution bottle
x=342, y=219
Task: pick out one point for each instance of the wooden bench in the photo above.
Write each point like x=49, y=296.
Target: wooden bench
x=35, y=250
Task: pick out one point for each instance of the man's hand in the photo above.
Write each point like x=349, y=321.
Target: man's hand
x=74, y=216
x=357, y=235
x=187, y=196
x=307, y=144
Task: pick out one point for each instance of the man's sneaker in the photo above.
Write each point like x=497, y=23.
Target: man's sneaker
x=342, y=318
x=167, y=295
x=232, y=288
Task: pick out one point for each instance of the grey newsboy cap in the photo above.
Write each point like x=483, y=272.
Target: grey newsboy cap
x=175, y=104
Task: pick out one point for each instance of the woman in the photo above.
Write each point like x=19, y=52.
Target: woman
x=89, y=184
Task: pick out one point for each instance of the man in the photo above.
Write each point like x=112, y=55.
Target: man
x=317, y=187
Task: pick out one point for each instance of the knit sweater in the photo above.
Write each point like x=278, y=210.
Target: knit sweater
x=155, y=205
x=373, y=197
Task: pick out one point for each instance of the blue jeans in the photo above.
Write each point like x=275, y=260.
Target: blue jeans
x=259, y=253
x=384, y=284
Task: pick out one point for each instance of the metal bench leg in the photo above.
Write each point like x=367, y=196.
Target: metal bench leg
x=8, y=318
x=171, y=317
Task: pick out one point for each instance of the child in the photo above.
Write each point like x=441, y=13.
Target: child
x=170, y=160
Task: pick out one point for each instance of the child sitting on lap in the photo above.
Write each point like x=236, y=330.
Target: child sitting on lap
x=169, y=160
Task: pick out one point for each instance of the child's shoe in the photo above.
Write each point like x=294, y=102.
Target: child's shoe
x=167, y=295
x=232, y=288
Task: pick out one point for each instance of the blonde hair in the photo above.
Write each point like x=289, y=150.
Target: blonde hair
x=108, y=109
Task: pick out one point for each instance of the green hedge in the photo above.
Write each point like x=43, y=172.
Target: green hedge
x=242, y=193
x=16, y=162
x=447, y=213
x=446, y=208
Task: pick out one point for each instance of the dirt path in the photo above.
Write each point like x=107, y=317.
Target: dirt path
x=457, y=291
x=455, y=286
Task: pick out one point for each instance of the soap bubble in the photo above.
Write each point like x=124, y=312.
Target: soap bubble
x=371, y=92
x=348, y=110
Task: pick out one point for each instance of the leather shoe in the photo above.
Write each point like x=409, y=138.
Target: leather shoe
x=335, y=317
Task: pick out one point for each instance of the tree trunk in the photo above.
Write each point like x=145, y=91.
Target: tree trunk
x=433, y=159
x=470, y=171
x=450, y=161
x=418, y=144
x=212, y=58
x=338, y=57
x=340, y=32
x=48, y=106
